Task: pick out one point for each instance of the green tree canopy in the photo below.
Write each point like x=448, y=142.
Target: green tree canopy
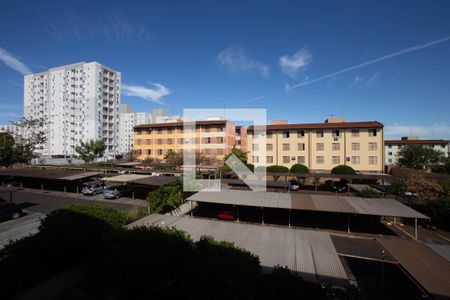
x=343, y=170
x=419, y=157
x=91, y=150
x=242, y=155
x=174, y=158
x=299, y=169
x=277, y=169
x=6, y=149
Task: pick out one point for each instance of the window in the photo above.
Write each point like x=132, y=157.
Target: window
x=390, y=160
x=442, y=146
x=319, y=147
x=336, y=160
x=372, y=132
x=319, y=133
x=219, y=151
x=301, y=159
x=320, y=159
x=220, y=140
x=336, y=133
x=300, y=133
x=269, y=159
x=219, y=129
x=355, y=132
x=336, y=146
x=159, y=151
x=286, y=159
x=269, y=147
x=170, y=141
x=159, y=141
x=286, y=134
x=355, y=146
x=255, y=159
x=269, y=134
x=389, y=153
x=355, y=160
x=372, y=146
x=373, y=160
x=255, y=147
x=286, y=147
x=300, y=146
x=389, y=146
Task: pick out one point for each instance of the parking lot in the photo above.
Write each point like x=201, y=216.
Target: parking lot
x=36, y=204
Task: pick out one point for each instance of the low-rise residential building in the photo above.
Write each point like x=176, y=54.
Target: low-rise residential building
x=392, y=147
x=322, y=146
x=213, y=139
x=241, y=138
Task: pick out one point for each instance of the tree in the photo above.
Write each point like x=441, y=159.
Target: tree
x=242, y=155
x=419, y=157
x=174, y=158
x=425, y=190
x=91, y=150
x=444, y=167
x=20, y=148
x=277, y=169
x=299, y=169
x=343, y=170
x=6, y=149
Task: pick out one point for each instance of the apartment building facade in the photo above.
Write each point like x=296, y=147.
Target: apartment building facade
x=128, y=120
x=392, y=147
x=77, y=102
x=213, y=139
x=241, y=138
x=322, y=146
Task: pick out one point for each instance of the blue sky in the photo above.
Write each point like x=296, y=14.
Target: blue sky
x=362, y=60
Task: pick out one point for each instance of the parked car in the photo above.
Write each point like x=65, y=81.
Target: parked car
x=93, y=189
x=294, y=185
x=339, y=186
x=9, y=210
x=115, y=192
x=12, y=183
x=226, y=215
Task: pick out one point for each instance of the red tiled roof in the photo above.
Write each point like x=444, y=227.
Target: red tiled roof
x=369, y=124
x=180, y=124
x=421, y=142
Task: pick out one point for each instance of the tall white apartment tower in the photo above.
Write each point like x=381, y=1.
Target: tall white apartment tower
x=78, y=102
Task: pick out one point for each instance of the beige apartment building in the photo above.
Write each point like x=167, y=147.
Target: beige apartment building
x=213, y=139
x=322, y=146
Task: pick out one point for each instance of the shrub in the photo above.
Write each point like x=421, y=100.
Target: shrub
x=109, y=215
x=369, y=193
x=251, y=167
x=343, y=170
x=164, y=199
x=65, y=237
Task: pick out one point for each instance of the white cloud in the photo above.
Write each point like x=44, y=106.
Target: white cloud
x=235, y=60
x=11, y=61
x=291, y=64
x=367, y=82
x=435, y=131
x=154, y=94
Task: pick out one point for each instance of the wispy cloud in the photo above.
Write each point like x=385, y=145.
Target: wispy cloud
x=154, y=94
x=432, y=131
x=367, y=82
x=234, y=59
x=13, y=62
x=373, y=61
x=291, y=64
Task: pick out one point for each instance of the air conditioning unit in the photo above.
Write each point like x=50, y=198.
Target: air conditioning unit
x=336, y=137
x=348, y=158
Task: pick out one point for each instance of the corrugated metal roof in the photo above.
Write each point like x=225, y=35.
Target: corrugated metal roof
x=80, y=176
x=430, y=269
x=326, y=203
x=340, y=125
x=310, y=253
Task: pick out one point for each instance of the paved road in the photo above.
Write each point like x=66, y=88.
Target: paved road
x=37, y=204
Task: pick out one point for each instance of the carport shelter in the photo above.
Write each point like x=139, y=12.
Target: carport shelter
x=153, y=181
x=383, y=207
x=44, y=178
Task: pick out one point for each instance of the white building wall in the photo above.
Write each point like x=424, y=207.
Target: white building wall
x=79, y=102
x=126, y=129
x=391, y=152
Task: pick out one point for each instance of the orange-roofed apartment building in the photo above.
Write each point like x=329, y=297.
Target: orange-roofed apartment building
x=322, y=146
x=213, y=139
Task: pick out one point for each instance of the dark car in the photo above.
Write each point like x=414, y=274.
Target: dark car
x=339, y=186
x=294, y=185
x=12, y=183
x=9, y=210
x=115, y=192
